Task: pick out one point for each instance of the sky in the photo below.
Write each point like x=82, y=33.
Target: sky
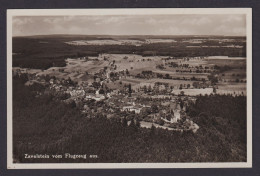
x=188, y=24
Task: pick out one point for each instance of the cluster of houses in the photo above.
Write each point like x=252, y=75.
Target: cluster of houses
x=170, y=110
x=137, y=108
x=97, y=96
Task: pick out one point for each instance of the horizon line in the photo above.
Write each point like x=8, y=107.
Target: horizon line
x=129, y=35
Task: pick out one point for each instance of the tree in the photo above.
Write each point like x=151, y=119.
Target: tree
x=149, y=88
x=214, y=90
x=213, y=79
x=72, y=104
x=137, y=124
x=132, y=124
x=145, y=89
x=153, y=129
x=101, y=91
x=129, y=90
x=195, y=84
x=124, y=122
x=154, y=108
x=168, y=117
x=127, y=72
x=181, y=103
x=112, y=74
x=160, y=122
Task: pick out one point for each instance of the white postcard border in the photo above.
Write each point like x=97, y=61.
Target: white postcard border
x=133, y=11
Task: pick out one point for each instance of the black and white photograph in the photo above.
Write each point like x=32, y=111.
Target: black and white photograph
x=129, y=88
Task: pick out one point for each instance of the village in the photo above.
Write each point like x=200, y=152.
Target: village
x=152, y=106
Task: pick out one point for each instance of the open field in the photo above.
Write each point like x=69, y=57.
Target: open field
x=183, y=75
x=25, y=70
x=133, y=62
x=144, y=124
x=137, y=83
x=119, y=42
x=76, y=69
x=160, y=41
x=232, y=62
x=234, y=73
x=192, y=62
x=225, y=88
x=105, y=42
x=235, y=89
x=194, y=92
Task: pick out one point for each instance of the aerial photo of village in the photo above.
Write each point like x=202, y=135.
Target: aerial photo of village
x=129, y=98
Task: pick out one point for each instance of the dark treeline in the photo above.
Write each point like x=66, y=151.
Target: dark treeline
x=66, y=37
x=35, y=53
x=44, y=125
x=224, y=113
x=42, y=53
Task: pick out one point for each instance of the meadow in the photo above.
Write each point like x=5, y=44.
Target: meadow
x=83, y=69
x=80, y=57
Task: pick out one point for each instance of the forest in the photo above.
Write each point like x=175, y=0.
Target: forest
x=43, y=124
x=43, y=52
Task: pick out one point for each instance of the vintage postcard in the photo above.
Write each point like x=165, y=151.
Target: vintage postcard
x=129, y=88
